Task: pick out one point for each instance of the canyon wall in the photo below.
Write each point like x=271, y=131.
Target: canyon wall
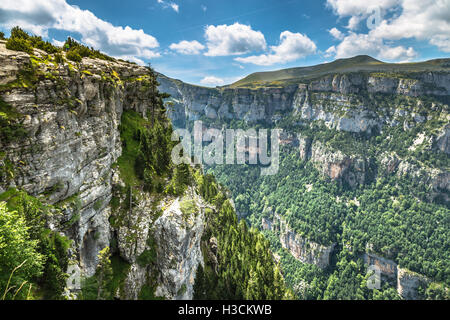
x=71, y=113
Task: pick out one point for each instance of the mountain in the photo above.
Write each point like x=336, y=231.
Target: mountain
x=91, y=204
x=358, y=208
x=363, y=177
x=356, y=64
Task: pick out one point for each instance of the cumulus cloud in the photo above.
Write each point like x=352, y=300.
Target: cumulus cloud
x=292, y=46
x=357, y=10
x=345, y=8
x=356, y=44
x=38, y=16
x=423, y=20
x=331, y=51
x=336, y=34
x=187, y=47
x=236, y=39
x=212, y=81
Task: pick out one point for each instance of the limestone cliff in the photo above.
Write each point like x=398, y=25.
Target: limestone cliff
x=300, y=247
x=71, y=114
x=364, y=104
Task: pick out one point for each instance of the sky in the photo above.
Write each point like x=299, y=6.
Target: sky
x=217, y=42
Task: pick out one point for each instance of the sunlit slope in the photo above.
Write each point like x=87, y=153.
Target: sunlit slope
x=355, y=64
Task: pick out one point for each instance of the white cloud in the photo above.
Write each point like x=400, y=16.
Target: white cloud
x=233, y=39
x=187, y=47
x=175, y=7
x=336, y=34
x=442, y=42
x=212, y=81
x=422, y=20
x=171, y=5
x=358, y=10
x=292, y=46
x=57, y=43
x=356, y=44
x=331, y=51
x=38, y=16
x=346, y=8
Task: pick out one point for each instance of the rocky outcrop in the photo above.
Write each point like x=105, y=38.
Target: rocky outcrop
x=300, y=247
x=170, y=232
x=406, y=281
x=338, y=166
x=443, y=140
x=178, y=234
x=387, y=268
x=437, y=179
x=304, y=143
x=409, y=282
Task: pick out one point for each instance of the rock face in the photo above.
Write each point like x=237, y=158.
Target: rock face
x=193, y=102
x=73, y=139
x=338, y=166
x=178, y=235
x=71, y=114
x=388, y=268
x=408, y=283
x=175, y=239
x=443, y=140
x=301, y=248
x=311, y=100
x=355, y=103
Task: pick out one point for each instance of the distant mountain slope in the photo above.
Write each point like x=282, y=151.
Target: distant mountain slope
x=355, y=64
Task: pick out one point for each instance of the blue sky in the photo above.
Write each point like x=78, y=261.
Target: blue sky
x=211, y=42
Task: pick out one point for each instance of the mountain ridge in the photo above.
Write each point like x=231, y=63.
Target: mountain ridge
x=361, y=63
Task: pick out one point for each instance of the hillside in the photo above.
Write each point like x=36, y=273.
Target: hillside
x=355, y=64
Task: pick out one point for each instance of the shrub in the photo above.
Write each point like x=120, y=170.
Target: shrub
x=2, y=35
x=59, y=58
x=46, y=46
x=74, y=56
x=19, y=44
x=84, y=51
x=18, y=33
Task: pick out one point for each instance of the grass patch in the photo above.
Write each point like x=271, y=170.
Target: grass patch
x=188, y=207
x=131, y=122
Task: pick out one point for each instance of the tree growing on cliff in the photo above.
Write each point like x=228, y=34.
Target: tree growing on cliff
x=104, y=271
x=20, y=262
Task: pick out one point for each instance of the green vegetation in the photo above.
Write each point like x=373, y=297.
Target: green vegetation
x=241, y=266
x=74, y=56
x=188, y=207
x=149, y=255
x=392, y=215
x=22, y=41
x=10, y=127
x=20, y=260
x=76, y=51
x=114, y=274
x=38, y=254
